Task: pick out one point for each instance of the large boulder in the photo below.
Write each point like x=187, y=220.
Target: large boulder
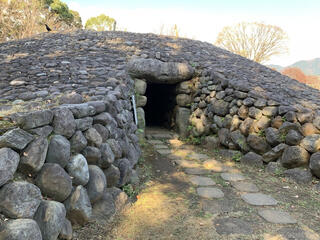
x=258, y=144
x=63, y=122
x=78, y=170
x=9, y=161
x=78, y=142
x=97, y=183
x=112, y=174
x=125, y=171
x=272, y=136
x=66, y=231
x=220, y=107
x=59, y=151
x=50, y=218
x=33, y=119
x=311, y=143
x=140, y=86
x=160, y=72
x=294, y=156
x=16, y=138
x=78, y=206
x=315, y=164
x=239, y=140
x=92, y=154
x=19, y=199
x=93, y=137
x=107, y=156
x=252, y=158
x=298, y=175
x=274, y=153
x=20, y=229
x=54, y=182
x=34, y=155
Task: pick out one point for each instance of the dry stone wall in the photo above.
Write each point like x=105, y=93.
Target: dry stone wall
x=64, y=166
x=74, y=90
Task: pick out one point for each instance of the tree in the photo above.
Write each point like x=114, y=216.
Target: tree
x=100, y=23
x=256, y=41
x=295, y=73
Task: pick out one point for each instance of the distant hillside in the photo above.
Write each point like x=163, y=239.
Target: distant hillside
x=309, y=67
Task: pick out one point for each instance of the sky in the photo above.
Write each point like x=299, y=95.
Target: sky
x=204, y=19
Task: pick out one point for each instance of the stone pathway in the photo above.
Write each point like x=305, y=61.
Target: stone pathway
x=201, y=169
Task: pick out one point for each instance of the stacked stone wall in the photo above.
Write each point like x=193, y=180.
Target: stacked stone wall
x=64, y=166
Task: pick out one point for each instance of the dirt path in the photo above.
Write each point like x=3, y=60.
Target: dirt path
x=197, y=194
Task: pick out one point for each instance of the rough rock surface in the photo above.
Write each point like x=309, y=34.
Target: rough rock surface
x=78, y=170
x=20, y=229
x=59, y=151
x=97, y=183
x=9, y=161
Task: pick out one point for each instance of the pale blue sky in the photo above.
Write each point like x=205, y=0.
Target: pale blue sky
x=203, y=19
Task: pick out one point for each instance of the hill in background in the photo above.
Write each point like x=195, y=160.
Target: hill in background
x=309, y=67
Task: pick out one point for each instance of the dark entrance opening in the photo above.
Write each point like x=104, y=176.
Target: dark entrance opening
x=161, y=100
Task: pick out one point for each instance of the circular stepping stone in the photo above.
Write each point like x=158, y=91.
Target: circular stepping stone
x=227, y=226
x=245, y=186
x=259, y=199
x=209, y=192
x=196, y=171
x=274, y=216
x=202, y=181
x=233, y=177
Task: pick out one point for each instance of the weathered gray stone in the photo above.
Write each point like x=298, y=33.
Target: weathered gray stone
x=16, y=139
x=105, y=119
x=233, y=177
x=78, y=142
x=243, y=112
x=92, y=154
x=315, y=164
x=274, y=168
x=9, y=161
x=115, y=147
x=276, y=216
x=58, y=151
x=107, y=156
x=93, y=137
x=182, y=120
x=104, y=132
x=258, y=143
x=97, y=183
x=294, y=156
x=252, y=159
x=71, y=98
x=66, y=231
x=270, y=111
x=274, y=153
x=293, y=137
x=245, y=186
x=286, y=126
x=246, y=126
x=33, y=119
x=159, y=72
x=299, y=175
x=78, y=170
x=42, y=131
x=83, y=124
x=140, y=86
x=63, y=122
x=304, y=117
x=211, y=142
x=20, y=229
x=141, y=118
x=291, y=116
x=272, y=136
x=54, y=182
x=183, y=100
x=224, y=136
x=99, y=106
x=81, y=110
x=239, y=140
x=201, y=181
x=78, y=206
x=50, y=218
x=19, y=199
x=316, y=122
x=227, y=226
x=220, y=107
x=255, y=113
x=112, y=174
x=210, y=192
x=259, y=199
x=311, y=143
x=125, y=171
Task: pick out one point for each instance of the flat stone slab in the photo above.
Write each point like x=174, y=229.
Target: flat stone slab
x=275, y=216
x=215, y=166
x=217, y=206
x=210, y=192
x=233, y=177
x=296, y=233
x=198, y=156
x=202, y=181
x=245, y=186
x=227, y=226
x=161, y=147
x=196, y=171
x=160, y=136
x=187, y=164
x=164, y=151
x=155, y=142
x=259, y=199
